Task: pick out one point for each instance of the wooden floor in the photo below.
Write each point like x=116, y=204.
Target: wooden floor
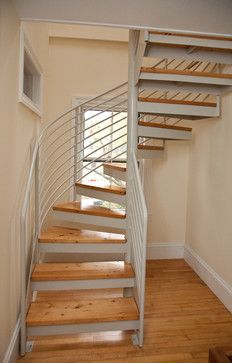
x=183, y=320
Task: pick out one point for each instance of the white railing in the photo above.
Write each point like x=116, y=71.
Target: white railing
x=29, y=231
x=68, y=150
x=137, y=235
x=78, y=143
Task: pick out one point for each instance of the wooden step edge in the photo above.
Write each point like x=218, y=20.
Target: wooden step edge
x=164, y=126
x=99, y=211
x=108, y=189
x=185, y=73
x=150, y=147
x=189, y=35
x=81, y=312
x=58, y=234
x=177, y=102
x=115, y=166
x=82, y=271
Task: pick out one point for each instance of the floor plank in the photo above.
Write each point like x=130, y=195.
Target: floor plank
x=183, y=319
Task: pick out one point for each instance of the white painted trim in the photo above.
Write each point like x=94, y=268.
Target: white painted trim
x=162, y=251
x=126, y=26
x=215, y=282
x=12, y=351
x=24, y=45
x=82, y=328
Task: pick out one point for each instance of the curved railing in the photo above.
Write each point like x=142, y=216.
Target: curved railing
x=77, y=144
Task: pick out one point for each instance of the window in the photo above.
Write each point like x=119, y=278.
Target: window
x=103, y=137
x=30, y=77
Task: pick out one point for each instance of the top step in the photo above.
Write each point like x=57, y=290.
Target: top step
x=216, y=43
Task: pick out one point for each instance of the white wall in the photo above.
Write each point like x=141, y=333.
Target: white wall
x=83, y=68
x=210, y=193
x=18, y=126
x=213, y=16
x=166, y=183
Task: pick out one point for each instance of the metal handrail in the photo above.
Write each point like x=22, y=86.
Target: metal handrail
x=80, y=105
x=137, y=234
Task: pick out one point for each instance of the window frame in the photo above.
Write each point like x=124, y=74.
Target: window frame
x=25, y=46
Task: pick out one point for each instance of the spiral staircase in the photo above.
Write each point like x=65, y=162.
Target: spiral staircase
x=84, y=195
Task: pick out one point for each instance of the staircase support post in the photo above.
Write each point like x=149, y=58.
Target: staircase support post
x=132, y=121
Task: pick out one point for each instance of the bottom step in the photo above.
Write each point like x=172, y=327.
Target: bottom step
x=63, y=317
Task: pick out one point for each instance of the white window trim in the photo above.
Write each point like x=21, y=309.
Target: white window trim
x=25, y=46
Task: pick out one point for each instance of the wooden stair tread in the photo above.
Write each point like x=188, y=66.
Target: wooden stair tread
x=177, y=102
x=58, y=234
x=82, y=271
x=116, y=166
x=185, y=73
x=88, y=208
x=150, y=147
x=197, y=36
x=114, y=189
x=164, y=126
x=81, y=311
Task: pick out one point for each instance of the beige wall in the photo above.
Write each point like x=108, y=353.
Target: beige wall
x=210, y=192
x=18, y=125
x=83, y=68
x=166, y=183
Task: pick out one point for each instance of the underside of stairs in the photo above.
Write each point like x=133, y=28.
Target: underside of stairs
x=94, y=195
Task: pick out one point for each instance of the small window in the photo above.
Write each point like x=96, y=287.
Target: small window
x=30, y=78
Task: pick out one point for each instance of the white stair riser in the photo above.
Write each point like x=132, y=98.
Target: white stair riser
x=82, y=328
x=189, y=41
x=151, y=154
x=183, y=87
x=117, y=223
x=97, y=194
x=117, y=174
x=83, y=248
x=82, y=284
x=162, y=133
x=180, y=110
x=186, y=79
x=203, y=55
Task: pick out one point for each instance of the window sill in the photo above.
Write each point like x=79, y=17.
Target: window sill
x=28, y=103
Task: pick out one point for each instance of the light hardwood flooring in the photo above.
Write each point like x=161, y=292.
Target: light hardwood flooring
x=183, y=319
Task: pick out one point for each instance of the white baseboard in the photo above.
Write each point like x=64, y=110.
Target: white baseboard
x=219, y=287
x=12, y=352
x=161, y=251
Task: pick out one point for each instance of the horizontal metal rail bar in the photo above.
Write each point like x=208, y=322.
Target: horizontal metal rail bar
x=80, y=105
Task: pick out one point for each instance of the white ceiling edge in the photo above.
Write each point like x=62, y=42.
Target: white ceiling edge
x=209, y=17
x=76, y=31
